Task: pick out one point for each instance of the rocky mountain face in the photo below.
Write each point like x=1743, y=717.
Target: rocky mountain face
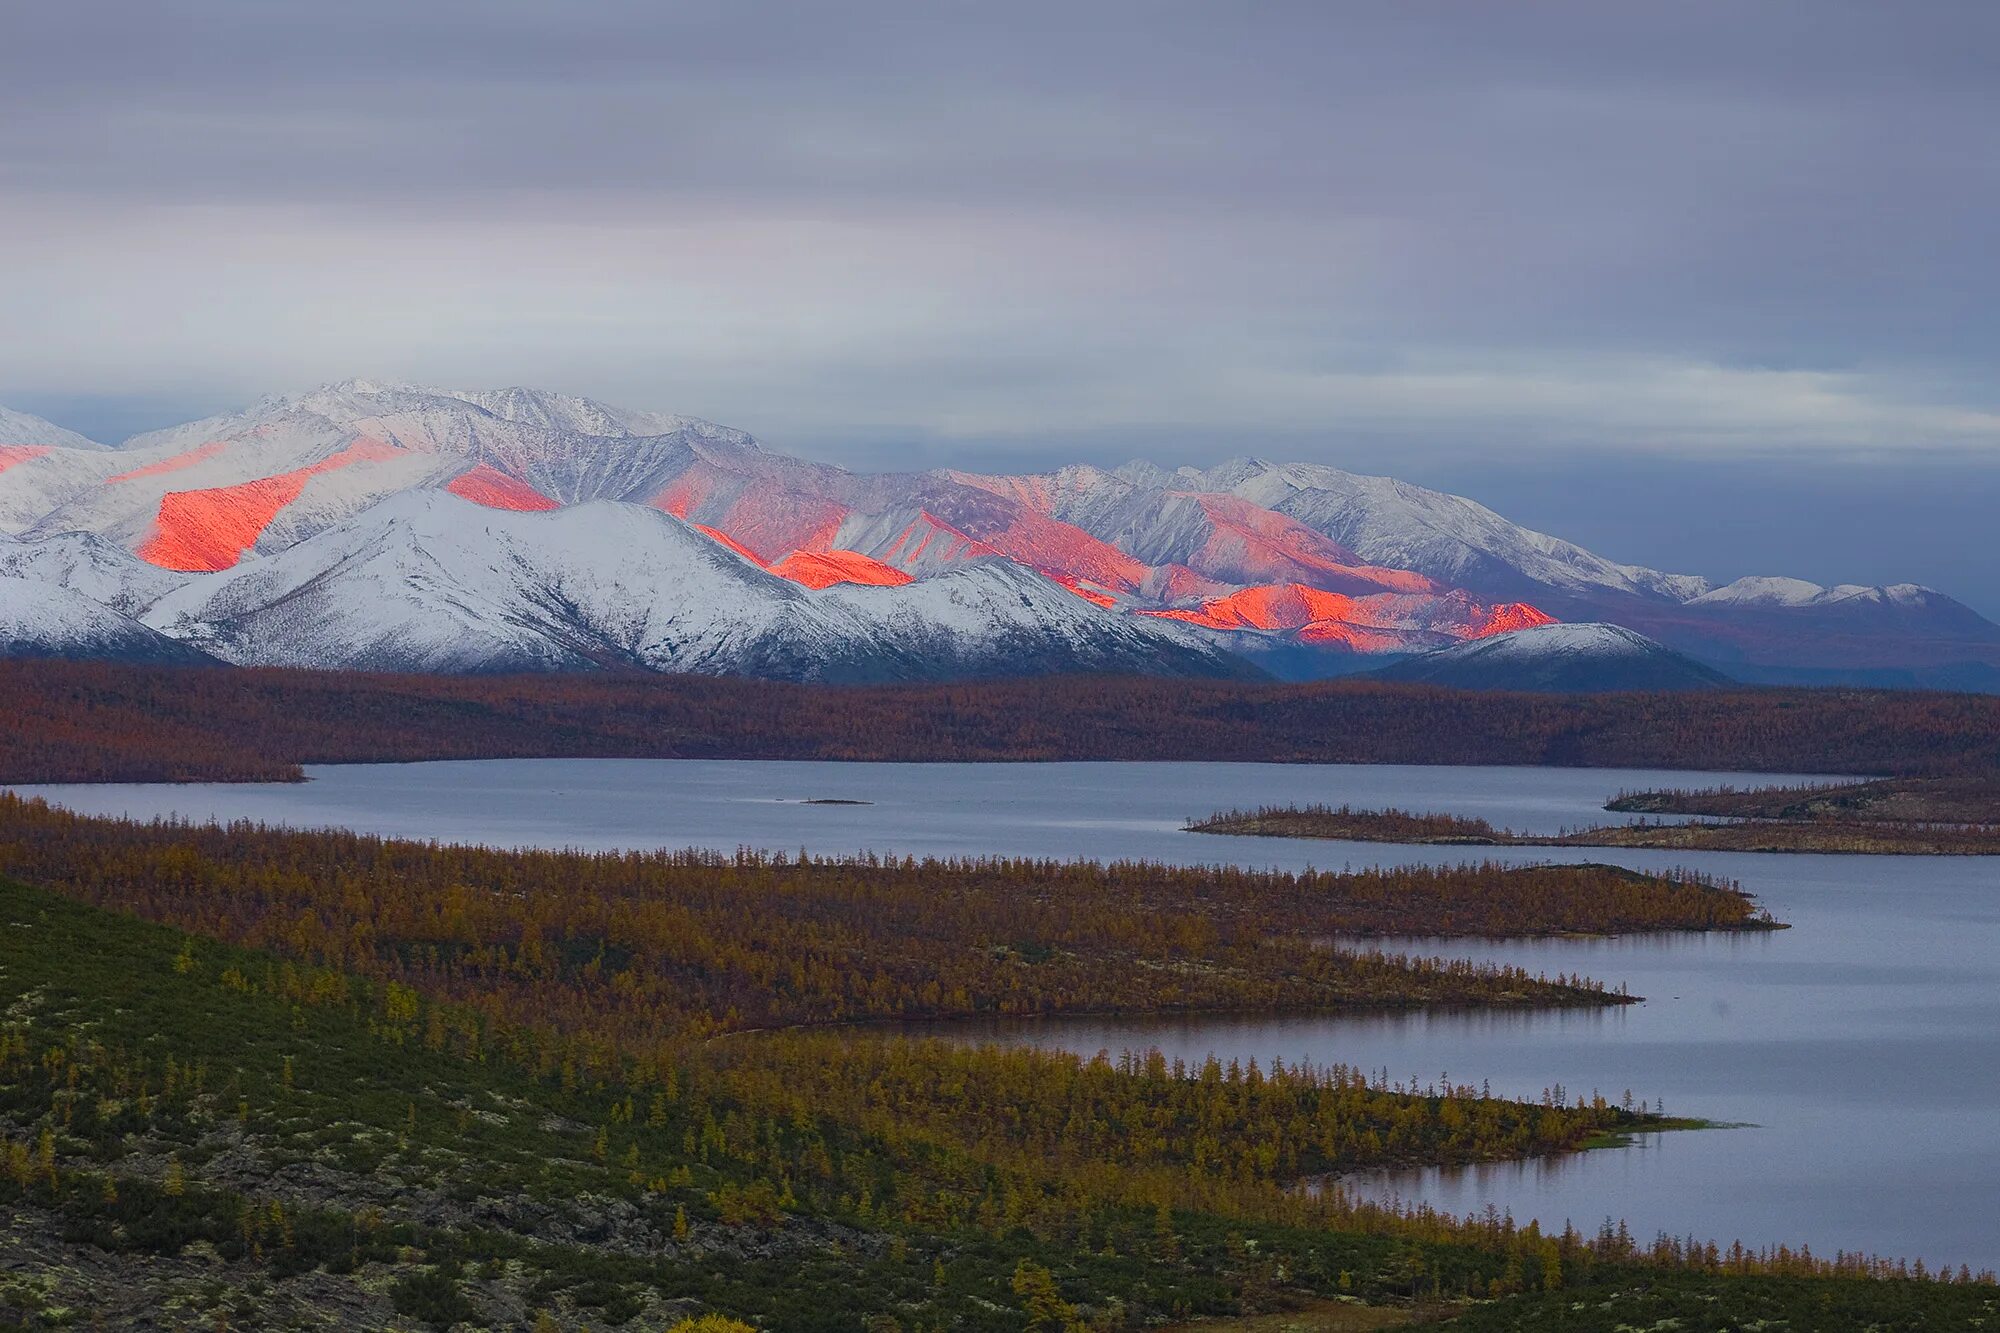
x=367, y=524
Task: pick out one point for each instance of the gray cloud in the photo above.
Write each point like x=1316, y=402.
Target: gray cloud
x=971, y=230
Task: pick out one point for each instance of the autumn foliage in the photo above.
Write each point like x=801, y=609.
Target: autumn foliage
x=96, y=722
x=641, y=949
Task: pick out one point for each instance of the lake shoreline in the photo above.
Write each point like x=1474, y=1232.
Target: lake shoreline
x=1820, y=837
x=1827, y=1035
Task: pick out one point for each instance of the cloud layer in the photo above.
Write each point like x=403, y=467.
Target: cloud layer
x=1735, y=229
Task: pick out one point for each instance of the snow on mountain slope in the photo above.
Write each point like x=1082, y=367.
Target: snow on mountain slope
x=192, y=434
x=562, y=463
x=427, y=582
x=1767, y=623
x=489, y=486
x=1767, y=592
x=197, y=495
x=1241, y=536
x=1216, y=535
x=1225, y=564
x=38, y=479
x=432, y=582
x=40, y=619
x=762, y=515
x=823, y=569
x=1563, y=659
x=1373, y=623
x=20, y=428
x=288, y=468
x=584, y=416
x=1760, y=591
x=997, y=618
x=87, y=564
x=204, y=494
x=1451, y=539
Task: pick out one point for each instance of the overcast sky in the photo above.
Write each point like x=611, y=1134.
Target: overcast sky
x=1707, y=285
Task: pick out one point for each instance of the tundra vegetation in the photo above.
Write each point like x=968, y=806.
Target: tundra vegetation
x=258, y=1078
x=1818, y=827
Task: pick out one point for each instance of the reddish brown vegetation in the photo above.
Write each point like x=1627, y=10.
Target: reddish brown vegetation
x=1927, y=801
x=640, y=948
x=93, y=722
x=1811, y=834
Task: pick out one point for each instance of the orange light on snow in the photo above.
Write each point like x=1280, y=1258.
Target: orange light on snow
x=11, y=454
x=823, y=569
x=1376, y=622
x=174, y=464
x=489, y=486
x=721, y=538
x=203, y=531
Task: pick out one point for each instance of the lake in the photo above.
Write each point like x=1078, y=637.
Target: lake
x=1858, y=1051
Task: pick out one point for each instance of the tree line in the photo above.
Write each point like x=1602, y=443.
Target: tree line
x=1819, y=831
x=648, y=947
x=93, y=722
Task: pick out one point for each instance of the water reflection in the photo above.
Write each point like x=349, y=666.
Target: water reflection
x=1861, y=1048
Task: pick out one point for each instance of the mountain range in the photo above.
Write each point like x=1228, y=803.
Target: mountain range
x=396, y=527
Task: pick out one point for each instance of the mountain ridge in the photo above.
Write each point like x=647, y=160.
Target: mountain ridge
x=1557, y=659
x=431, y=582
x=1304, y=568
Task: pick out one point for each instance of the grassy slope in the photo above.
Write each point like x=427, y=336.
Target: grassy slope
x=422, y=1181
x=412, y=1187
x=360, y=1124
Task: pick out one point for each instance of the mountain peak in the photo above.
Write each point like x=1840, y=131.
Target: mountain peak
x=24, y=428
x=1406, y=566
x=1769, y=591
x=1559, y=659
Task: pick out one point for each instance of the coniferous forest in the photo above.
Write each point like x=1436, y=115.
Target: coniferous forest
x=103, y=722
x=272, y=1077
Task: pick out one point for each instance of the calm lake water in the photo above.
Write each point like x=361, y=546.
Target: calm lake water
x=1860, y=1050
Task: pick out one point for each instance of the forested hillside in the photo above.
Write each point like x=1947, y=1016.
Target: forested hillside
x=90, y=722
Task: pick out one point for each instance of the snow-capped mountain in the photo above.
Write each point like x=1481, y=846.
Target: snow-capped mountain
x=1768, y=593
x=1559, y=659
x=1454, y=540
x=1783, y=628
x=20, y=430
x=44, y=620
x=86, y=564
x=1202, y=538
x=226, y=530
x=432, y=582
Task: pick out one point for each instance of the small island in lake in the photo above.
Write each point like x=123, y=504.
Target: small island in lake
x=1879, y=819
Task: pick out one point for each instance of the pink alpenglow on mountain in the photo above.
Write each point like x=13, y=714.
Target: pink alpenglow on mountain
x=1248, y=566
